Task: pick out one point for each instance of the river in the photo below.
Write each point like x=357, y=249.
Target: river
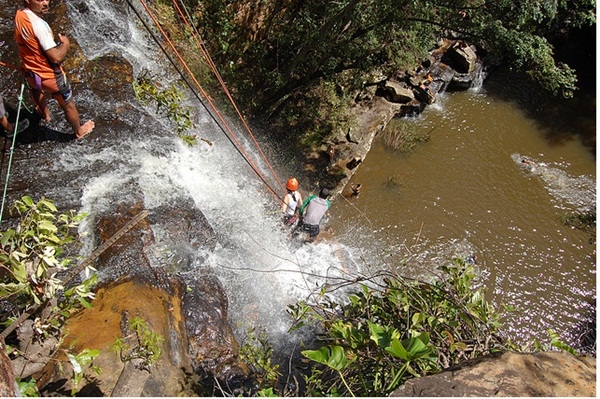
x=466, y=192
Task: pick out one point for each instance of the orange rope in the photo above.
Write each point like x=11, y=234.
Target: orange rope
x=207, y=97
x=15, y=67
x=210, y=62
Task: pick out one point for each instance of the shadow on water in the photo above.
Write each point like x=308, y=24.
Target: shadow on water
x=562, y=119
x=585, y=331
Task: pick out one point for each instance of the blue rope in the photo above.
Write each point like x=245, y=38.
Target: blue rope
x=12, y=150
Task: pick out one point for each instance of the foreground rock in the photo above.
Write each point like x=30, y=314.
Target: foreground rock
x=549, y=374
x=161, y=280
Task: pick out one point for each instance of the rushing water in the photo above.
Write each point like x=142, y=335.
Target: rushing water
x=463, y=192
x=467, y=192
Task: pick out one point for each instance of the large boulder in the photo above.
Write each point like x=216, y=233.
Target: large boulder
x=461, y=57
x=549, y=374
x=397, y=93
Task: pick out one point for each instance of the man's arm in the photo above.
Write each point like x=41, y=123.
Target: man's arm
x=305, y=203
x=57, y=54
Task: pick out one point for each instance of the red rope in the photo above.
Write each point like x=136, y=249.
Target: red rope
x=11, y=66
x=206, y=96
x=225, y=89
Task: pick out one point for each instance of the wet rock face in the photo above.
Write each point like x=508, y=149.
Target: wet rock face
x=100, y=326
x=212, y=345
x=149, y=252
x=110, y=76
x=162, y=281
x=550, y=374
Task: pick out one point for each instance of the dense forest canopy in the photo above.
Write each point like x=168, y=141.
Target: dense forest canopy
x=273, y=52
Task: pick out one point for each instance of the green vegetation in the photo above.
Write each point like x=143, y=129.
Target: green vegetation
x=402, y=135
x=78, y=362
x=396, y=330
x=584, y=221
x=168, y=103
x=31, y=255
x=257, y=352
x=142, y=344
x=279, y=57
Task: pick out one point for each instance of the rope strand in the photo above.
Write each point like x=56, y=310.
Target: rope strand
x=196, y=35
x=224, y=126
x=12, y=150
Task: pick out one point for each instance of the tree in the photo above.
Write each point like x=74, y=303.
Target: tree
x=273, y=48
x=298, y=64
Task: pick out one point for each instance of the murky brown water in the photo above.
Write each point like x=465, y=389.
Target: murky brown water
x=465, y=192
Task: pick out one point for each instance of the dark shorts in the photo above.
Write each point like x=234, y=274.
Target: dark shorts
x=312, y=230
x=58, y=86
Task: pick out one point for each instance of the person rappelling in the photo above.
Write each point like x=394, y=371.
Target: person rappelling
x=312, y=211
x=291, y=200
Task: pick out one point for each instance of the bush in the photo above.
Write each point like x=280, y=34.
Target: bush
x=396, y=330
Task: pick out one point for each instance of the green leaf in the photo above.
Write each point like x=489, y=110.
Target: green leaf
x=85, y=303
x=559, y=344
x=397, y=350
x=459, y=345
x=27, y=388
x=86, y=356
x=19, y=271
x=77, y=367
x=331, y=356
x=27, y=200
x=7, y=236
x=48, y=204
x=268, y=392
x=382, y=336
x=8, y=289
x=412, y=348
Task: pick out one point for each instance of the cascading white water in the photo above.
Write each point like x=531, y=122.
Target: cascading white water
x=262, y=273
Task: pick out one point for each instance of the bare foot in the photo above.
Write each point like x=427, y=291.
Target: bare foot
x=44, y=114
x=85, y=129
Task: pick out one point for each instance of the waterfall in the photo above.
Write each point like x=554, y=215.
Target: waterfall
x=262, y=273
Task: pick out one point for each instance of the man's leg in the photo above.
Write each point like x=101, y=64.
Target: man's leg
x=39, y=98
x=6, y=125
x=72, y=116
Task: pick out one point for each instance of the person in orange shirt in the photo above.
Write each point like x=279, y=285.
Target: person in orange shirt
x=42, y=58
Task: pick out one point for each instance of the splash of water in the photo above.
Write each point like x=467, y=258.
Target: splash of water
x=569, y=191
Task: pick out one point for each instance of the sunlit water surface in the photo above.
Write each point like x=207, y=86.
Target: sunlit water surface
x=467, y=192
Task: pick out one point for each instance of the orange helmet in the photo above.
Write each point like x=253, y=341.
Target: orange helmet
x=292, y=184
